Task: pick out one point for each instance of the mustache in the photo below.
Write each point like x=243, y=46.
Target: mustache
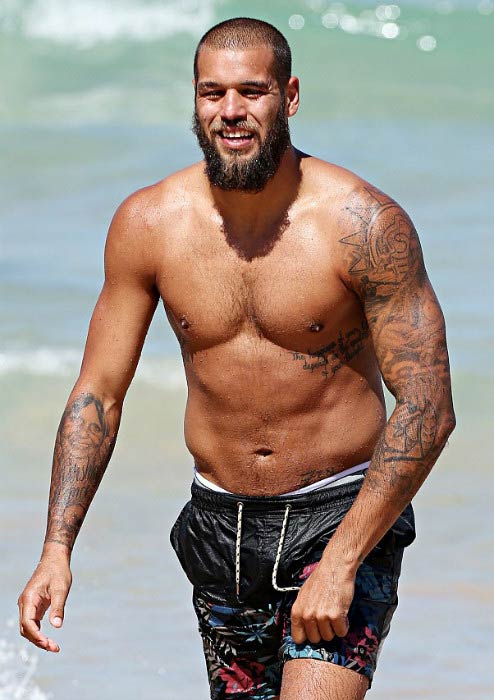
x=245, y=125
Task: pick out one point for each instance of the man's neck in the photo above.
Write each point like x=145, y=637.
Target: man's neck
x=250, y=218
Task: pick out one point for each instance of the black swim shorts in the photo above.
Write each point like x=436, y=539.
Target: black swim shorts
x=243, y=555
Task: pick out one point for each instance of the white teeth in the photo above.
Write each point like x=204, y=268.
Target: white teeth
x=235, y=134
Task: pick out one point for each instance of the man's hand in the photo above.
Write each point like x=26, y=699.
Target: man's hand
x=49, y=586
x=321, y=608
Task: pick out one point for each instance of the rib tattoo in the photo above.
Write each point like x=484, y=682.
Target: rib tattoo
x=84, y=444
x=336, y=354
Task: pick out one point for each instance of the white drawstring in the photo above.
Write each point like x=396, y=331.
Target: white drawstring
x=278, y=555
x=237, y=546
x=281, y=542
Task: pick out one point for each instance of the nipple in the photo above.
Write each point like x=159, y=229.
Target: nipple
x=184, y=323
x=316, y=327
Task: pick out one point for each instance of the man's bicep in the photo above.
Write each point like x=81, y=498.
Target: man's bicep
x=116, y=334
x=124, y=309
x=409, y=338
x=384, y=265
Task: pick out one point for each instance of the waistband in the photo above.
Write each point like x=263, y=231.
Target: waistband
x=349, y=474
x=216, y=501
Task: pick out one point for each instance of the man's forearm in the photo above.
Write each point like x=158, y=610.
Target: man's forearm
x=406, y=452
x=84, y=444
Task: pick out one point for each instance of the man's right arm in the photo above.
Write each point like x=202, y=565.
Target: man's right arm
x=89, y=425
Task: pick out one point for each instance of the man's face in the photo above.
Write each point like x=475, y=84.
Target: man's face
x=84, y=431
x=240, y=117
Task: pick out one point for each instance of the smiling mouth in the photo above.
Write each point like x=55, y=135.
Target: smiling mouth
x=238, y=138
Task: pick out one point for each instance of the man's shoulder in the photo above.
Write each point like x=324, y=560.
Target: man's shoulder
x=353, y=207
x=368, y=229
x=341, y=188
x=155, y=205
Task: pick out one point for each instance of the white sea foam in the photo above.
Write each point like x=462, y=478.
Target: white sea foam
x=40, y=361
x=92, y=21
x=161, y=372
x=17, y=671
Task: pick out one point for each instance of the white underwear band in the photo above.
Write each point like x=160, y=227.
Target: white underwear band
x=336, y=479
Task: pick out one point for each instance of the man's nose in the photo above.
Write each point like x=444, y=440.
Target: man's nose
x=233, y=106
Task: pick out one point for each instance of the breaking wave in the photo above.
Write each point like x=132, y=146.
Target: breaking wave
x=17, y=671
x=93, y=21
x=161, y=372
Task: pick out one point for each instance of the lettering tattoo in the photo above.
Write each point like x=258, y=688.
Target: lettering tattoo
x=83, y=447
x=333, y=356
x=187, y=355
x=384, y=263
x=180, y=325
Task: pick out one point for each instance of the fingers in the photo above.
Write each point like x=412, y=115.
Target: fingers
x=30, y=624
x=317, y=625
x=326, y=628
x=312, y=631
x=57, y=608
x=340, y=625
x=298, y=628
x=48, y=586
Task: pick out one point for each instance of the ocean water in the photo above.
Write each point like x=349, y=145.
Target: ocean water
x=95, y=101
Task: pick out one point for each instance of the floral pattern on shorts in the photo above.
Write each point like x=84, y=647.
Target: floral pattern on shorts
x=241, y=646
x=370, y=614
x=246, y=647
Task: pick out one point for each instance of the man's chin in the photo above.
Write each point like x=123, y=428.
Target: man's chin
x=251, y=150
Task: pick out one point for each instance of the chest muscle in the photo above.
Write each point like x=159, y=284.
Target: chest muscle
x=291, y=297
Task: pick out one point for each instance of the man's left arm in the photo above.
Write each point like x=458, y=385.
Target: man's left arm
x=385, y=268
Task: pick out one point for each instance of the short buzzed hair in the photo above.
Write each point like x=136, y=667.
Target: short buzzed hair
x=246, y=33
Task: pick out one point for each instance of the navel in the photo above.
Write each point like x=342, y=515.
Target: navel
x=316, y=327
x=264, y=452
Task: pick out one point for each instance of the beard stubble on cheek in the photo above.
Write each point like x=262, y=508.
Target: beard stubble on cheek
x=239, y=172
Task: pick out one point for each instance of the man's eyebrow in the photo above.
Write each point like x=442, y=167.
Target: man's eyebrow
x=256, y=83
x=206, y=84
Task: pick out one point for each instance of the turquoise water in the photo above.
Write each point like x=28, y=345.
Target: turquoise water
x=95, y=101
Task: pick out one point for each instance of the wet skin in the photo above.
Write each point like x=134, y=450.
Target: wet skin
x=284, y=386
x=288, y=305
x=280, y=360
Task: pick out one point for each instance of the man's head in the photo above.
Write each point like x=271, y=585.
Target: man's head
x=246, y=33
x=244, y=94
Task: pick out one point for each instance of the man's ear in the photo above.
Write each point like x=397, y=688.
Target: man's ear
x=292, y=95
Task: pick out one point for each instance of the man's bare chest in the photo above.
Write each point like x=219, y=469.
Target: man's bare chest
x=292, y=296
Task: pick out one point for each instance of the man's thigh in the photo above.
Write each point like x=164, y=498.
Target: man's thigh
x=311, y=679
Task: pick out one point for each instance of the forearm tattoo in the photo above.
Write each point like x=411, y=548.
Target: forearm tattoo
x=83, y=447
x=385, y=266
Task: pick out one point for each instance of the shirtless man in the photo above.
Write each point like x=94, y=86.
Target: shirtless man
x=293, y=287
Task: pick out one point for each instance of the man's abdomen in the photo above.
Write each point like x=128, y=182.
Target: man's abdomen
x=263, y=420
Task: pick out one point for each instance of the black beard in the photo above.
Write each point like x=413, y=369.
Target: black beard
x=246, y=175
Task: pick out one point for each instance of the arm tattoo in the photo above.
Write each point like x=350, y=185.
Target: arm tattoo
x=84, y=444
x=385, y=267
x=384, y=253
